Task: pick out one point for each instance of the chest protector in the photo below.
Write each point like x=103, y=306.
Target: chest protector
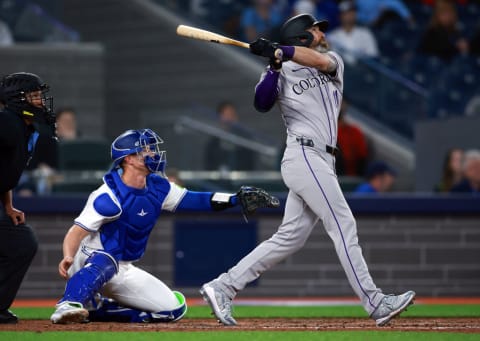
x=126, y=238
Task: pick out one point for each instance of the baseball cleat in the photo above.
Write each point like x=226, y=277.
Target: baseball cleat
x=391, y=306
x=69, y=312
x=220, y=303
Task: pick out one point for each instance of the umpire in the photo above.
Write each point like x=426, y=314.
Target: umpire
x=23, y=96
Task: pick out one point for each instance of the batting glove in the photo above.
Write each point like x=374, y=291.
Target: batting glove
x=275, y=64
x=266, y=48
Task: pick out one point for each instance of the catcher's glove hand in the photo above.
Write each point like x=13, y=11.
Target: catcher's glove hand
x=252, y=198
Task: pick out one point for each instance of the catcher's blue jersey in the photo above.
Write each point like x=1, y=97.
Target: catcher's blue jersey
x=121, y=217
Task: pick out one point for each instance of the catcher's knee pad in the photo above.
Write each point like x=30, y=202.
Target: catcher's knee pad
x=109, y=310
x=99, y=268
x=172, y=315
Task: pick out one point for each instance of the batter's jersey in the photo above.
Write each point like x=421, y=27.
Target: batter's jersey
x=310, y=100
x=120, y=218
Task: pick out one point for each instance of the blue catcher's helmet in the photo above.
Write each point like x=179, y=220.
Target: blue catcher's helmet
x=136, y=142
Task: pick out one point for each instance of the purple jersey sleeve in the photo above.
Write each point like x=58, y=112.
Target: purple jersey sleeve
x=266, y=91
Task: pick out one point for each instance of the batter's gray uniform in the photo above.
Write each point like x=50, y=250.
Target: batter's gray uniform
x=310, y=102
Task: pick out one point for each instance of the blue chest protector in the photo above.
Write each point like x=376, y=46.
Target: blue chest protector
x=126, y=238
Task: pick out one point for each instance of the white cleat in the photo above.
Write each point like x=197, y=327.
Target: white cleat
x=220, y=303
x=391, y=306
x=69, y=312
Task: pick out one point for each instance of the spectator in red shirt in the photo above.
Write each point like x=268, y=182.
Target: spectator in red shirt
x=353, y=146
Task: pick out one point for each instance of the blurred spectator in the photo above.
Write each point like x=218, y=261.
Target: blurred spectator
x=6, y=38
x=46, y=150
x=380, y=178
x=472, y=107
x=452, y=170
x=471, y=173
x=67, y=124
x=375, y=13
x=44, y=164
x=224, y=14
x=442, y=37
x=263, y=19
x=320, y=9
x=224, y=155
x=352, y=143
x=353, y=41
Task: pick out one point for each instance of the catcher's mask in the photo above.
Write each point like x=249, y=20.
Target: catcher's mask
x=294, y=30
x=16, y=89
x=143, y=142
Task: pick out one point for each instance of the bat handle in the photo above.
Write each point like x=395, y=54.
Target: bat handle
x=278, y=54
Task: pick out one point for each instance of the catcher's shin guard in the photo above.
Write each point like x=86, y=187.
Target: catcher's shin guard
x=110, y=311
x=99, y=268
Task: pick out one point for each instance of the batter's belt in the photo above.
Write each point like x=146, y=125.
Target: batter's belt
x=309, y=143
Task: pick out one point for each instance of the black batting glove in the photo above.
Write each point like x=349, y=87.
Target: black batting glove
x=264, y=47
x=275, y=64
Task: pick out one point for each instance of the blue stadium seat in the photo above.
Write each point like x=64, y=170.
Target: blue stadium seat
x=425, y=70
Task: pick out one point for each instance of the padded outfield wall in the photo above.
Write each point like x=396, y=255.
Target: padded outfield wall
x=428, y=244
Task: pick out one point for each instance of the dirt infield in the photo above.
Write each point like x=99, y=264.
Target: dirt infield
x=463, y=325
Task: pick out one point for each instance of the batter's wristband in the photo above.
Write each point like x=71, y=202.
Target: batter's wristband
x=288, y=51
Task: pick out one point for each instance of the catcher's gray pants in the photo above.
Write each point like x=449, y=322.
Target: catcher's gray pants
x=314, y=194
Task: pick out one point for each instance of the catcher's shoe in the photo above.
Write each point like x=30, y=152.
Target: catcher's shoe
x=220, y=303
x=391, y=306
x=69, y=312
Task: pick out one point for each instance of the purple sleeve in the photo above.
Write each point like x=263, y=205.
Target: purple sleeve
x=266, y=91
x=288, y=52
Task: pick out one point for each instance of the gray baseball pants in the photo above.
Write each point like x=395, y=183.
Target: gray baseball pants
x=314, y=193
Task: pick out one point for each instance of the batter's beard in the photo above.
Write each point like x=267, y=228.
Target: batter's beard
x=322, y=46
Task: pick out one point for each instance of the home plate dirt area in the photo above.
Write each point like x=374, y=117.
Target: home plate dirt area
x=464, y=325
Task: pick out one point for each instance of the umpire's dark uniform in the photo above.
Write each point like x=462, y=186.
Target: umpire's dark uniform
x=24, y=96
x=18, y=244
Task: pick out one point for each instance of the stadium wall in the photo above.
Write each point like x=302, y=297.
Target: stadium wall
x=430, y=245
x=433, y=140
x=75, y=73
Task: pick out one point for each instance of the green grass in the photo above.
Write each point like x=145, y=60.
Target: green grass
x=263, y=311
x=467, y=310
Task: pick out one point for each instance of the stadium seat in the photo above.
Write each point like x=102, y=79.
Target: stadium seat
x=75, y=186
x=84, y=154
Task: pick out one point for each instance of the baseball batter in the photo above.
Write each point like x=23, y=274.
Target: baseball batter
x=112, y=231
x=308, y=87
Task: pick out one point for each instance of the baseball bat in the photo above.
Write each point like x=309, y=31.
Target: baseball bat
x=197, y=33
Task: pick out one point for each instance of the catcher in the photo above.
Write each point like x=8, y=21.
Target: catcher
x=112, y=232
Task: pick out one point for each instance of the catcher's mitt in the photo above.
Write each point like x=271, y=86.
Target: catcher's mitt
x=252, y=198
